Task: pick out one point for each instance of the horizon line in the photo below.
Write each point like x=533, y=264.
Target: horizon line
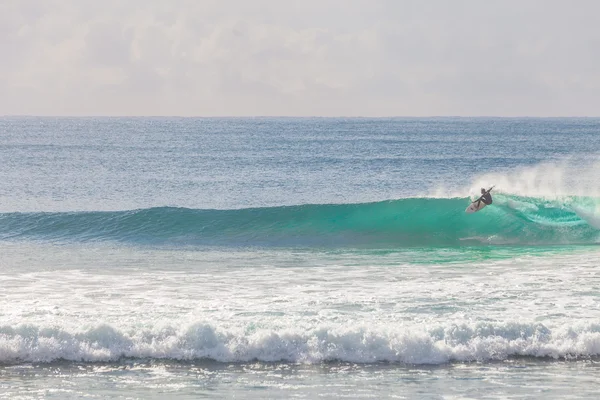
x=295, y=117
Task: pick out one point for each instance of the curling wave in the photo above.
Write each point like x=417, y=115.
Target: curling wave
x=395, y=223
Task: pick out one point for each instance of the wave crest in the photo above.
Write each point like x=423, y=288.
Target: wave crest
x=394, y=223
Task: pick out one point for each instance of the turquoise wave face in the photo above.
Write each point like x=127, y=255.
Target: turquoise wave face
x=511, y=220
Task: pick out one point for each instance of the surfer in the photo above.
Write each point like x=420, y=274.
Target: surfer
x=486, y=197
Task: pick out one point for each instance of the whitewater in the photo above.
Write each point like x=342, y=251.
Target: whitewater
x=277, y=258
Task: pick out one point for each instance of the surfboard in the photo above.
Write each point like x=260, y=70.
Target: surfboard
x=475, y=206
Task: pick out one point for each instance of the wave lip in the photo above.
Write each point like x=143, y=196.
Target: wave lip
x=394, y=223
x=481, y=342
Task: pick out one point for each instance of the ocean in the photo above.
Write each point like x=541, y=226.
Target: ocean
x=152, y=258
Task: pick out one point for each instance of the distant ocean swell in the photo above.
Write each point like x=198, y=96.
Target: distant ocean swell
x=395, y=223
x=456, y=343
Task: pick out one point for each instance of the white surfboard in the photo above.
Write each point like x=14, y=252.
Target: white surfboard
x=475, y=206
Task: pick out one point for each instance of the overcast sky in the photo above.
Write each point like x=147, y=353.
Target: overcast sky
x=306, y=57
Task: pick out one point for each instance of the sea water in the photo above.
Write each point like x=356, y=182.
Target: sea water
x=309, y=258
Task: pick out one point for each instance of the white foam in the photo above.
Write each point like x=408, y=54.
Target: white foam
x=437, y=345
x=589, y=215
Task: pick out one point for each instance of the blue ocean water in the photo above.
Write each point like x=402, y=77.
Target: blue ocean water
x=305, y=257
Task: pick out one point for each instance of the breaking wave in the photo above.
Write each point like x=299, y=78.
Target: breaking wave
x=438, y=345
x=395, y=223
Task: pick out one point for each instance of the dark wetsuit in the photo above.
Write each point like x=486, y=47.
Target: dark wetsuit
x=487, y=198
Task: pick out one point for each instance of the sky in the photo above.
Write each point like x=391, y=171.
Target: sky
x=300, y=58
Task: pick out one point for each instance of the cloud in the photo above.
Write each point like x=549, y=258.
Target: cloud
x=328, y=57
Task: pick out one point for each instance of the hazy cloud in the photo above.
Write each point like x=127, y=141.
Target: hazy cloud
x=272, y=57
